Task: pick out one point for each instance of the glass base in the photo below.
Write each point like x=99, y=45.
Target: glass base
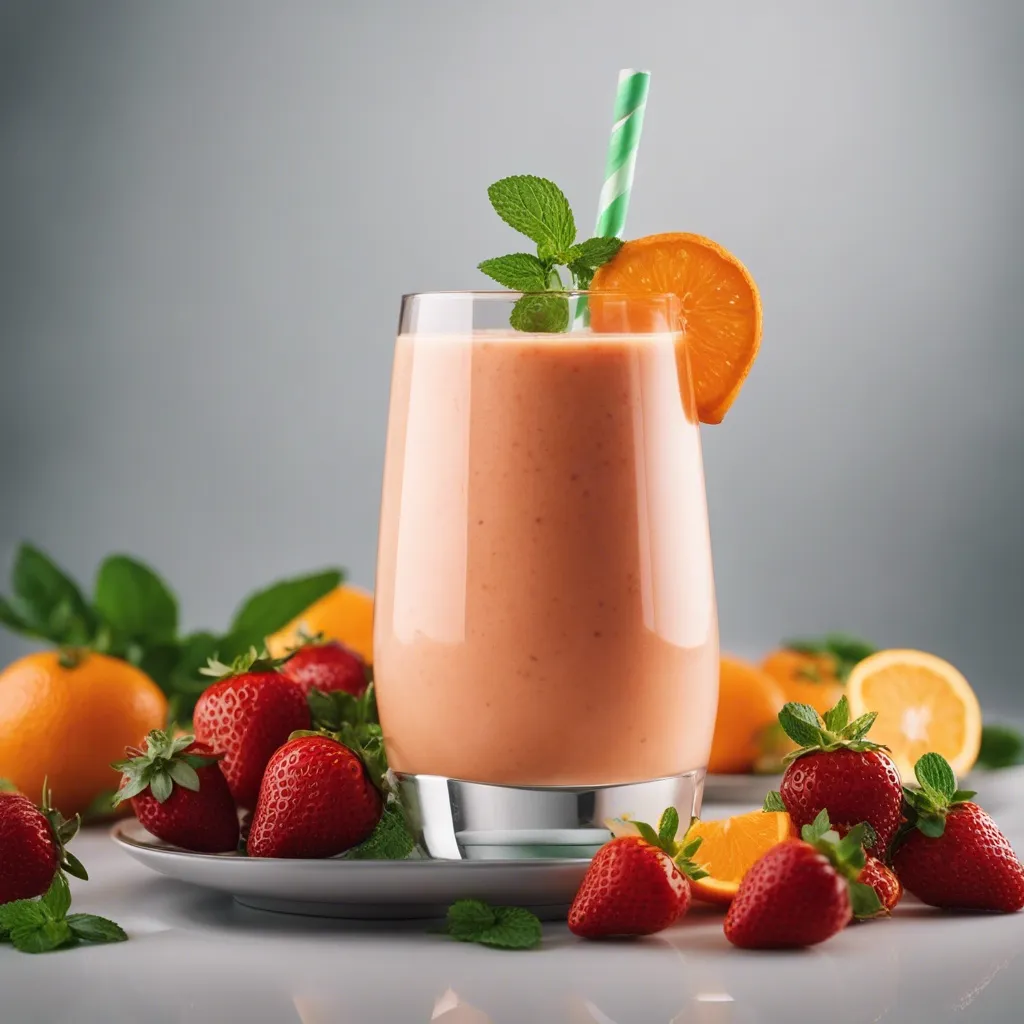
x=459, y=820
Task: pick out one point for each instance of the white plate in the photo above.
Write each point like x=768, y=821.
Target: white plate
x=383, y=889
x=998, y=788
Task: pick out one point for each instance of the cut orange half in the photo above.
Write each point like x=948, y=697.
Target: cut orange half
x=923, y=703
x=730, y=848
x=720, y=303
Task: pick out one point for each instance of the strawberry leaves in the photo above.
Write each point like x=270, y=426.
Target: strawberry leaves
x=160, y=767
x=664, y=838
x=926, y=808
x=43, y=925
x=848, y=858
x=834, y=731
x=354, y=722
x=63, y=830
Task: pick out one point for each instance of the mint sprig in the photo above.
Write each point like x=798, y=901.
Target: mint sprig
x=391, y=839
x=502, y=927
x=43, y=925
x=1001, y=747
x=538, y=208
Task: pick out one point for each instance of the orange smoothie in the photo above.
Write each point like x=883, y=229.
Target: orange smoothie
x=545, y=608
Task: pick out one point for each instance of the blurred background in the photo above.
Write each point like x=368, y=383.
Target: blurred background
x=209, y=212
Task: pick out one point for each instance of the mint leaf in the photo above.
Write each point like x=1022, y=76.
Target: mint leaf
x=536, y=208
x=501, y=927
x=773, y=801
x=594, y=252
x=390, y=840
x=467, y=919
x=133, y=599
x=934, y=773
x=801, y=724
x=1001, y=747
x=48, y=601
x=838, y=717
x=40, y=938
x=57, y=899
x=540, y=314
x=520, y=271
x=269, y=610
x=90, y=928
x=22, y=914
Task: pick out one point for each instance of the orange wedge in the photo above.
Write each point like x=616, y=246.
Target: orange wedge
x=721, y=309
x=730, y=848
x=923, y=704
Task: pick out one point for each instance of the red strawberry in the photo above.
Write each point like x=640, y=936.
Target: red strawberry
x=179, y=793
x=885, y=883
x=32, y=843
x=316, y=801
x=246, y=716
x=950, y=853
x=837, y=770
x=636, y=885
x=802, y=891
x=327, y=667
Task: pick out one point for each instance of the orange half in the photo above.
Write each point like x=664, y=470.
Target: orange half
x=721, y=309
x=731, y=847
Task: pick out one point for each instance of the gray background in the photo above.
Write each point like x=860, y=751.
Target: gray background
x=208, y=211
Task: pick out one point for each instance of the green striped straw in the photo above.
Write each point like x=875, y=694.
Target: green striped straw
x=630, y=104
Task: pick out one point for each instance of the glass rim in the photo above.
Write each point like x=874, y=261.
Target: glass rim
x=498, y=294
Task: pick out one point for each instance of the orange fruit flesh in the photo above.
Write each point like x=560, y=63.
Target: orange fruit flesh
x=345, y=615
x=721, y=310
x=749, y=702
x=923, y=703
x=731, y=846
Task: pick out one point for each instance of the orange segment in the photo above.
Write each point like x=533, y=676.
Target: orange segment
x=721, y=309
x=923, y=704
x=345, y=615
x=730, y=848
x=749, y=702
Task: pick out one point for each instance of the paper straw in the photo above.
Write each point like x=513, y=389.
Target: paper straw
x=630, y=104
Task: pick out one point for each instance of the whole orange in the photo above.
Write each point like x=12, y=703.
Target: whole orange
x=805, y=678
x=749, y=702
x=66, y=718
x=345, y=615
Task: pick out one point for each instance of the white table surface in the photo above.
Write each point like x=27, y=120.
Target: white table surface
x=196, y=957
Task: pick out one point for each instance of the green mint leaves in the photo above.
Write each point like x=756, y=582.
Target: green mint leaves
x=133, y=615
x=835, y=731
x=1001, y=747
x=501, y=927
x=390, y=840
x=43, y=925
x=537, y=208
x=843, y=650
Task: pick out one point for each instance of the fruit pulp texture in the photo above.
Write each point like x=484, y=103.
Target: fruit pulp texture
x=545, y=599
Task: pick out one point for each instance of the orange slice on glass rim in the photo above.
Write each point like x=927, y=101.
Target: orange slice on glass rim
x=720, y=303
x=730, y=848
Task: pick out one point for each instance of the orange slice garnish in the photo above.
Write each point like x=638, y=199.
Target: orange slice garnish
x=720, y=303
x=730, y=848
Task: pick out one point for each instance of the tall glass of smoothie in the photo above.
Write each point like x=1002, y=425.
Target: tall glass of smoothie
x=546, y=643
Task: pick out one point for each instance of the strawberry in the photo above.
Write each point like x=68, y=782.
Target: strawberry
x=836, y=769
x=885, y=883
x=327, y=667
x=179, y=793
x=316, y=800
x=950, y=853
x=32, y=841
x=246, y=716
x=636, y=884
x=802, y=891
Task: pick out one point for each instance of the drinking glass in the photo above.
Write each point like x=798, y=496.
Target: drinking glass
x=545, y=640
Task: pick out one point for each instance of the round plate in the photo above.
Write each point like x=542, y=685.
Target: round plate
x=381, y=889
